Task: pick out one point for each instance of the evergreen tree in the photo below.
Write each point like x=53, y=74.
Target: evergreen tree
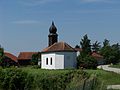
x=96, y=47
x=111, y=54
x=85, y=45
x=85, y=59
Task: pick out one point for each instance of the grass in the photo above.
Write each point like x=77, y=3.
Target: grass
x=76, y=77
x=39, y=71
x=30, y=78
x=105, y=78
x=116, y=66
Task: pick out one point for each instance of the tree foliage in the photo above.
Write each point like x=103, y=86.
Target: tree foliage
x=35, y=58
x=111, y=53
x=2, y=62
x=85, y=59
x=85, y=45
x=87, y=62
x=106, y=43
x=96, y=46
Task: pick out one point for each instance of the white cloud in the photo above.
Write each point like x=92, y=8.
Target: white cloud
x=25, y=22
x=36, y=2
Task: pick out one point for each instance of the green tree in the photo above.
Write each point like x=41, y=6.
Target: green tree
x=111, y=54
x=85, y=59
x=106, y=43
x=1, y=51
x=87, y=62
x=35, y=58
x=116, y=53
x=2, y=62
x=96, y=46
x=85, y=45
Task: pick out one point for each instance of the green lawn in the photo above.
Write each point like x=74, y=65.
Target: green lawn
x=105, y=78
x=116, y=66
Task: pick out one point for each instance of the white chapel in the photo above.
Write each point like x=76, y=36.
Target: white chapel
x=58, y=55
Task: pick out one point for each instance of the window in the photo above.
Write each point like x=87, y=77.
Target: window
x=50, y=61
x=46, y=61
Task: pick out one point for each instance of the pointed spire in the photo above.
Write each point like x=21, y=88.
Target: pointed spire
x=52, y=22
x=53, y=28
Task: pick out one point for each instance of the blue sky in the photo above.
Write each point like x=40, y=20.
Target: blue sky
x=24, y=24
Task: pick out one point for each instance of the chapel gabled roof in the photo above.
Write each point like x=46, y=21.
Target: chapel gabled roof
x=26, y=55
x=59, y=47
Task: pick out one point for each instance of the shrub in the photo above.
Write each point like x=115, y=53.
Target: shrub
x=37, y=79
x=87, y=62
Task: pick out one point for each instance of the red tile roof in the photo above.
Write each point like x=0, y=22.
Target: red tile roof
x=60, y=46
x=25, y=55
x=96, y=55
x=11, y=56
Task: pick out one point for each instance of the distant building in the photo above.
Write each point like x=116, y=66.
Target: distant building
x=25, y=58
x=97, y=56
x=58, y=55
x=10, y=59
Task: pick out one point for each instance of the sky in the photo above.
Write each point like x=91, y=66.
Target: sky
x=24, y=24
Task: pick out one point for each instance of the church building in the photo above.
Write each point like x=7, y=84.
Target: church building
x=58, y=55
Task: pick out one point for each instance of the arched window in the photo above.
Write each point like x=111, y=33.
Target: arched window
x=46, y=61
x=51, y=61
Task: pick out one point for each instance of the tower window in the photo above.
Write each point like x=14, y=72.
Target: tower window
x=50, y=61
x=46, y=61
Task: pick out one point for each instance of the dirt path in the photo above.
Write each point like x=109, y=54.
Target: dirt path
x=107, y=68
x=115, y=70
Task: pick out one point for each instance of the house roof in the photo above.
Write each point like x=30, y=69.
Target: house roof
x=25, y=55
x=11, y=56
x=96, y=55
x=58, y=47
x=78, y=49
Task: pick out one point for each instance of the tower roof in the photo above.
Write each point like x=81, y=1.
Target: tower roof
x=59, y=47
x=53, y=28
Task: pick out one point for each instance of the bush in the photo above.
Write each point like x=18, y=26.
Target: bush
x=87, y=62
x=37, y=79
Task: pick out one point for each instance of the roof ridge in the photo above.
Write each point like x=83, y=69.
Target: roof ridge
x=59, y=46
x=50, y=46
x=27, y=52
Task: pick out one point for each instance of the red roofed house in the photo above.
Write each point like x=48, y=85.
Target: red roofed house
x=24, y=58
x=58, y=55
x=99, y=58
x=10, y=59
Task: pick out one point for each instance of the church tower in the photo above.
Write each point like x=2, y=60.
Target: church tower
x=53, y=36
